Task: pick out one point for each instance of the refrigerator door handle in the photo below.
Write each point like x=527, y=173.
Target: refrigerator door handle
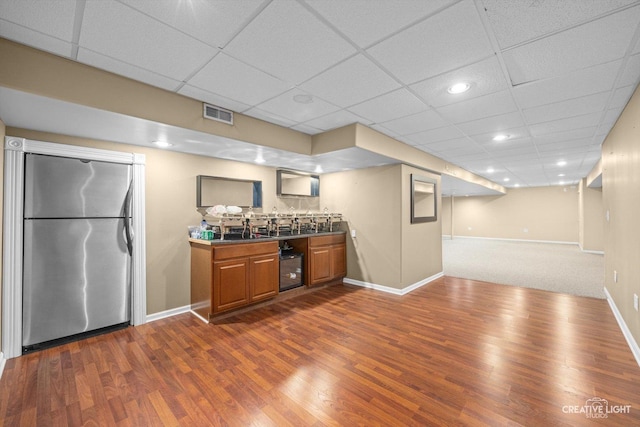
x=127, y=219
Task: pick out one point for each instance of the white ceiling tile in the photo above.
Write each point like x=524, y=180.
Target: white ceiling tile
x=350, y=82
x=29, y=37
x=492, y=124
x=284, y=105
x=235, y=80
x=514, y=22
x=621, y=96
x=570, y=108
x=336, y=119
x=213, y=22
x=584, y=121
x=476, y=108
x=389, y=106
x=115, y=30
x=566, y=145
x=580, y=133
x=461, y=146
x=287, y=41
x=124, y=69
x=407, y=125
x=304, y=128
x=212, y=98
x=433, y=46
x=584, y=82
x=509, y=152
x=52, y=18
x=365, y=25
x=631, y=72
x=584, y=46
x=268, y=116
x=485, y=77
x=440, y=134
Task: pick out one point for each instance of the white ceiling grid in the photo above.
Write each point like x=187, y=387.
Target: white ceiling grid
x=553, y=74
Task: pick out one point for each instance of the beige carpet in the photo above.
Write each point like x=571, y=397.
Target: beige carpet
x=552, y=267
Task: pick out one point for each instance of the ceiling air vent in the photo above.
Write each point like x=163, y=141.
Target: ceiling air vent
x=219, y=114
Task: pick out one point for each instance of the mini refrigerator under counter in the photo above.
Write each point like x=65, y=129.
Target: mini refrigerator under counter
x=290, y=271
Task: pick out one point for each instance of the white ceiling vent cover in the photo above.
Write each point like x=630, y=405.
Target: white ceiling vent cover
x=219, y=114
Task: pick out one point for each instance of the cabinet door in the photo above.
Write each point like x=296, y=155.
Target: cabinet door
x=264, y=277
x=319, y=265
x=338, y=261
x=231, y=284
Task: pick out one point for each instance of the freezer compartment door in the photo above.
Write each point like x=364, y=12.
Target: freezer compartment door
x=76, y=277
x=62, y=187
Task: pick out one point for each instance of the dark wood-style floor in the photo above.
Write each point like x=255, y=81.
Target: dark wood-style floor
x=454, y=352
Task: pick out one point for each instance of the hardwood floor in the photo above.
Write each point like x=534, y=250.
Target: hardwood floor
x=454, y=352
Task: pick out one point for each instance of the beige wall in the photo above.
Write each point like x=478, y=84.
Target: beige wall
x=170, y=208
x=621, y=199
x=590, y=218
x=539, y=213
x=2, y=135
x=388, y=250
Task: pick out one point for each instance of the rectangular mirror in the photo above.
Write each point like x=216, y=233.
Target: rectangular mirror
x=214, y=190
x=423, y=199
x=291, y=183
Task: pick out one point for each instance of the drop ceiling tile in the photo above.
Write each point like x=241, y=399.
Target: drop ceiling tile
x=581, y=133
x=270, y=117
x=514, y=22
x=51, y=18
x=390, y=106
x=570, y=108
x=621, y=96
x=212, y=98
x=29, y=37
x=572, y=123
x=351, y=82
x=433, y=46
x=597, y=42
x=124, y=69
x=212, y=22
x=591, y=80
x=506, y=153
x=485, y=77
x=492, y=124
x=287, y=41
x=336, y=119
x=422, y=121
x=566, y=145
x=439, y=134
x=117, y=31
x=304, y=128
x=476, y=108
x=631, y=73
x=365, y=25
x=235, y=80
x=284, y=106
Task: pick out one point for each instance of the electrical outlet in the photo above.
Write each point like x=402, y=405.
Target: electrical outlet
x=615, y=276
x=635, y=301
x=353, y=233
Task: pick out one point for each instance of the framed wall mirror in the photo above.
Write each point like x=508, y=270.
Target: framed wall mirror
x=290, y=183
x=214, y=190
x=424, y=199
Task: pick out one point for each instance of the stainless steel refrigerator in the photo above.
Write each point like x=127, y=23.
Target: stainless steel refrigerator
x=77, y=248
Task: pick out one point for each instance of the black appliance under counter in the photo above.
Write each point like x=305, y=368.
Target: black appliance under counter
x=291, y=272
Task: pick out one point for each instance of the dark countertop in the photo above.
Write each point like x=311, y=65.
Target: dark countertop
x=263, y=239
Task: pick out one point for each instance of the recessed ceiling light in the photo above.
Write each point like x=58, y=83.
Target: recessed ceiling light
x=506, y=180
x=459, y=88
x=318, y=169
x=501, y=137
x=516, y=185
x=560, y=174
x=162, y=144
x=562, y=163
x=490, y=170
x=303, y=99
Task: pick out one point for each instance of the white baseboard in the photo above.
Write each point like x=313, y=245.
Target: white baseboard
x=168, y=313
x=558, y=242
x=391, y=290
x=198, y=316
x=633, y=345
x=588, y=251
